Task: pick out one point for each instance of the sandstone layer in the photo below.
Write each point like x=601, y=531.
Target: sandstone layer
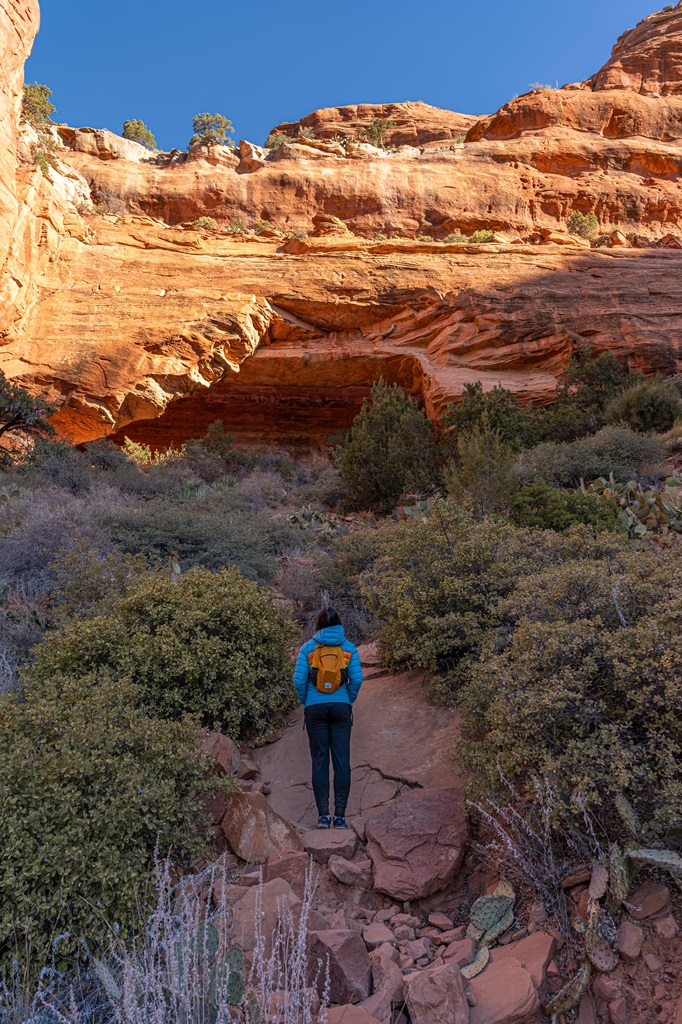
x=115, y=307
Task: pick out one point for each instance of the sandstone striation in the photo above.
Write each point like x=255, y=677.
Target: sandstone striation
x=135, y=323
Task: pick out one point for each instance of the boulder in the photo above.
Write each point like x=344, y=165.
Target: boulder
x=618, y=240
x=440, y=921
x=504, y=994
x=275, y=898
x=323, y=843
x=222, y=752
x=291, y=865
x=648, y=899
x=417, y=842
x=630, y=939
x=386, y=975
x=350, y=969
x=377, y=934
x=252, y=156
x=461, y=952
x=436, y=996
x=534, y=953
x=379, y=1006
x=254, y=830
x=326, y=225
x=666, y=928
x=356, y=873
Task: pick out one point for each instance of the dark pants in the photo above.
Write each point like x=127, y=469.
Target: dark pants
x=329, y=727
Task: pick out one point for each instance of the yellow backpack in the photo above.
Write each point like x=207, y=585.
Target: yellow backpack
x=328, y=668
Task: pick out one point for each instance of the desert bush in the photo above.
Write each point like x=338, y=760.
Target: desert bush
x=261, y=489
x=260, y=226
x=389, y=450
x=209, y=644
x=653, y=404
x=276, y=140
x=137, y=131
x=551, y=508
x=213, y=531
x=483, y=472
x=498, y=407
x=90, y=786
x=86, y=582
x=375, y=133
x=236, y=226
x=36, y=107
x=613, y=449
x=21, y=416
x=584, y=225
x=210, y=130
x=60, y=464
x=456, y=237
x=205, y=224
x=580, y=683
x=482, y=235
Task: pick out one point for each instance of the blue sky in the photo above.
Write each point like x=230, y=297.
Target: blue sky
x=261, y=62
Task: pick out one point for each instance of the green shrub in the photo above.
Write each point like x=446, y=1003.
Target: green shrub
x=213, y=530
x=653, y=404
x=259, y=226
x=236, y=226
x=22, y=415
x=483, y=235
x=205, y=224
x=483, y=473
x=209, y=644
x=276, y=140
x=90, y=787
x=137, y=131
x=583, y=225
x=541, y=505
x=585, y=688
x=210, y=130
x=375, y=133
x=456, y=238
x=613, y=449
x=389, y=450
x=217, y=443
x=498, y=407
x=36, y=108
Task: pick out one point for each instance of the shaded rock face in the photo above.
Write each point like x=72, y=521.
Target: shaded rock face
x=134, y=327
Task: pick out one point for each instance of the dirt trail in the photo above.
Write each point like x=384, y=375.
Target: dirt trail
x=400, y=739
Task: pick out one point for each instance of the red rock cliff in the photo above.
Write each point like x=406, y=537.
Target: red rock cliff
x=117, y=317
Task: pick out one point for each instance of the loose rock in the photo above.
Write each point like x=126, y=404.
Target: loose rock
x=504, y=994
x=254, y=830
x=350, y=969
x=323, y=843
x=436, y=996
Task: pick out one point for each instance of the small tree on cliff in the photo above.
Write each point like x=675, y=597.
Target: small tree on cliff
x=390, y=450
x=375, y=134
x=137, y=131
x=36, y=108
x=21, y=417
x=210, y=130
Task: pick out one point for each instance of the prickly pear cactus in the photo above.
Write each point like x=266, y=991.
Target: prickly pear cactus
x=619, y=877
x=227, y=980
x=599, y=882
x=627, y=813
x=601, y=944
x=489, y=937
x=665, y=859
x=477, y=964
x=570, y=994
x=505, y=888
x=488, y=911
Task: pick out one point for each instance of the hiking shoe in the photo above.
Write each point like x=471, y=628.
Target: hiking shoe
x=324, y=821
x=340, y=822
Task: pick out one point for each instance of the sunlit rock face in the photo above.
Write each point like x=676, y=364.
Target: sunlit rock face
x=135, y=323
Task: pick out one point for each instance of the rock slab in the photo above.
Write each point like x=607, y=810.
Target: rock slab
x=350, y=969
x=254, y=830
x=436, y=996
x=416, y=844
x=504, y=994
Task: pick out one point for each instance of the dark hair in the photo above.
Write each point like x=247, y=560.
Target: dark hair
x=328, y=617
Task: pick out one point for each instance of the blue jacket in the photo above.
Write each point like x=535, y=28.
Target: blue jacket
x=307, y=693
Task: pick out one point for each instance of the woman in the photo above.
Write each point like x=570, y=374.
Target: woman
x=328, y=677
